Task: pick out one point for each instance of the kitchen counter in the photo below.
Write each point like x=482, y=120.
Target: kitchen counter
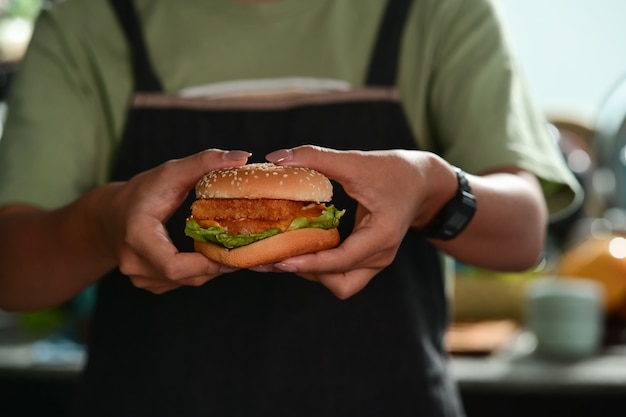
x=517, y=383
x=53, y=358
x=602, y=373
x=539, y=387
x=518, y=368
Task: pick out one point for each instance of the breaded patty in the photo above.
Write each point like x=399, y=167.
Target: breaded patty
x=235, y=209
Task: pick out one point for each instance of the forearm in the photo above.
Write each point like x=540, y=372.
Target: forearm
x=508, y=229
x=50, y=256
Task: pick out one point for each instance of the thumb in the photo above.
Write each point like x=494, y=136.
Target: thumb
x=331, y=162
x=195, y=166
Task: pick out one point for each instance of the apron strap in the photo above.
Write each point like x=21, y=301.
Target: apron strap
x=383, y=67
x=144, y=76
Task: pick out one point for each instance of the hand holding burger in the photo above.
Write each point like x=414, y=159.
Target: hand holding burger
x=394, y=190
x=259, y=214
x=136, y=211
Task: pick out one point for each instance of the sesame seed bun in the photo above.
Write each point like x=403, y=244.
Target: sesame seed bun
x=271, y=250
x=266, y=181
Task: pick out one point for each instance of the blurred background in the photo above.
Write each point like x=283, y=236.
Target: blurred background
x=570, y=51
x=547, y=341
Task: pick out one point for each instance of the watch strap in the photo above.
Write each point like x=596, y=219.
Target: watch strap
x=454, y=217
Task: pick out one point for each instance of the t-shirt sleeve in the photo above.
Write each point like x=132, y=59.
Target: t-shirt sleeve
x=485, y=117
x=54, y=145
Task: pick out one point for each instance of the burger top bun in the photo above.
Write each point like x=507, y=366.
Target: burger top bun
x=267, y=181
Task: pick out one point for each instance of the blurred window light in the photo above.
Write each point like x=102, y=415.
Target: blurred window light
x=579, y=161
x=617, y=247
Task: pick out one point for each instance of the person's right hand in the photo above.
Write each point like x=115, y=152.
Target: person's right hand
x=55, y=254
x=135, y=230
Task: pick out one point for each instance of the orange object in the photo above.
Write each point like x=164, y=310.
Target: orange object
x=603, y=260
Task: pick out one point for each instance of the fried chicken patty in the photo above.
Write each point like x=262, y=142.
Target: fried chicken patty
x=242, y=208
x=244, y=216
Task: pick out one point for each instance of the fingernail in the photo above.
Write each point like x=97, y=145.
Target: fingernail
x=286, y=267
x=262, y=268
x=281, y=155
x=236, y=155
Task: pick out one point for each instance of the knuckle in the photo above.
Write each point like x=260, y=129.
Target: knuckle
x=151, y=285
x=166, y=170
x=387, y=258
x=127, y=266
x=160, y=290
x=196, y=281
x=344, y=289
x=141, y=283
x=172, y=271
x=381, y=260
x=169, y=165
x=394, y=234
x=342, y=295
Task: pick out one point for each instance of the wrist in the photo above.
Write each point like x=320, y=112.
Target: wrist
x=440, y=187
x=99, y=220
x=456, y=214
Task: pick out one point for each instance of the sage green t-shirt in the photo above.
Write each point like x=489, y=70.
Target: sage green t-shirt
x=461, y=89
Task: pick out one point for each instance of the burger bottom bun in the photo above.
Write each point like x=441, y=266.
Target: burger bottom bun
x=272, y=249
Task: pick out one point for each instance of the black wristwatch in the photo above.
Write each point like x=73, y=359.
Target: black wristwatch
x=456, y=214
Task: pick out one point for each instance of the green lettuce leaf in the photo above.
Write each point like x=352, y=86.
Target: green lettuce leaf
x=329, y=219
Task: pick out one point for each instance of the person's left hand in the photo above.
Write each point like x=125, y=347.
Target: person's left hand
x=394, y=190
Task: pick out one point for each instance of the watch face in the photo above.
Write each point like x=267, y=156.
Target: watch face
x=457, y=221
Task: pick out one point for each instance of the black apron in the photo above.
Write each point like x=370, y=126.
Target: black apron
x=259, y=344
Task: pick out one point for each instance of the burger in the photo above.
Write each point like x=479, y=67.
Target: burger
x=259, y=214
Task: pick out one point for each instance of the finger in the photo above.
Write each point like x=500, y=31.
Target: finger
x=195, y=281
x=345, y=285
x=157, y=280
x=333, y=163
x=204, y=278
x=153, y=285
x=265, y=268
x=164, y=188
x=360, y=250
x=184, y=266
x=200, y=272
x=195, y=166
x=159, y=257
